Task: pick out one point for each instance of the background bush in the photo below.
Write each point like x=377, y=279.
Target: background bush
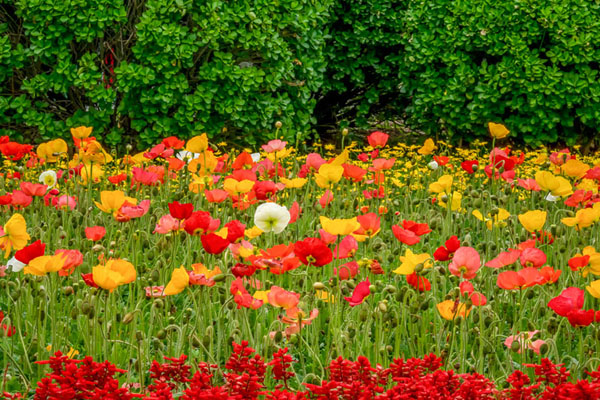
x=145, y=69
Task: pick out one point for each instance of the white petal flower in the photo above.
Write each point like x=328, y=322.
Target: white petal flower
x=187, y=156
x=433, y=165
x=552, y=198
x=15, y=265
x=48, y=178
x=255, y=157
x=271, y=217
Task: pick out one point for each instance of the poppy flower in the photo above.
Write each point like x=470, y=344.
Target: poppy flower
x=264, y=190
x=181, y=211
x=279, y=297
x=529, y=184
x=588, y=261
x=173, y=142
x=240, y=269
x=14, y=234
x=533, y=220
x=347, y=271
x=527, y=277
x=295, y=211
x=200, y=275
x=271, y=217
x=327, y=237
x=353, y=172
x=241, y=296
x=72, y=260
x=25, y=255
x=405, y=236
x=197, y=144
x=569, y=300
x=114, y=273
x=442, y=185
x=179, y=281
x=445, y=253
x=346, y=248
x=213, y=243
x=111, y=201
x=465, y=262
x=505, y=258
x=360, y=293
x=235, y=231
x=88, y=279
x=532, y=257
x=64, y=202
x=340, y=227
x=427, y=148
x=550, y=274
x=42, y=265
x=451, y=309
x=524, y=340
x=274, y=146
x=470, y=166
x=420, y=283
x=378, y=139
x=116, y=179
x=200, y=223
x=369, y=225
x=8, y=330
x=33, y=189
x=313, y=251
x=410, y=261
x=328, y=175
x=20, y=200
x=476, y=298
x=95, y=233
x=498, y=131
x=326, y=198
x=167, y=224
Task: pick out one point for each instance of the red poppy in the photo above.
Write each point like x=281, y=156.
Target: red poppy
x=28, y=253
x=476, y=298
x=578, y=197
x=353, y=172
x=181, y=211
x=241, y=296
x=313, y=251
x=418, y=229
x=33, y=189
x=20, y=200
x=116, y=179
x=527, y=277
x=593, y=173
x=532, y=257
x=441, y=160
x=361, y=292
x=326, y=198
x=347, y=248
x=370, y=224
x=420, y=283
x=378, y=139
x=6, y=200
x=213, y=243
x=240, y=269
x=95, y=233
x=173, y=142
x=581, y=317
x=216, y=195
x=89, y=280
x=295, y=212
x=577, y=263
x=244, y=159
x=278, y=259
x=200, y=222
x=15, y=151
x=550, y=274
x=235, y=231
x=160, y=150
x=347, y=271
x=470, y=166
x=405, y=236
x=264, y=190
x=72, y=260
x=445, y=253
x=8, y=330
x=175, y=164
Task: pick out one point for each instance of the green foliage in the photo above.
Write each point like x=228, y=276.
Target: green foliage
x=531, y=64
x=144, y=69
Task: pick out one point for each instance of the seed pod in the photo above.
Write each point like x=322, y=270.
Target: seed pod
x=382, y=307
x=68, y=290
x=219, y=278
x=161, y=334
x=319, y=286
x=128, y=318
x=86, y=307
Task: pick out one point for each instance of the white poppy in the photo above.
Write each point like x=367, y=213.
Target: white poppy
x=255, y=157
x=271, y=217
x=187, y=156
x=433, y=165
x=49, y=178
x=15, y=265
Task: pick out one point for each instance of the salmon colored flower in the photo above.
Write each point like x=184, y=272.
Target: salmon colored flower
x=14, y=234
x=550, y=274
x=347, y=248
x=378, y=139
x=72, y=260
x=200, y=275
x=525, y=342
x=465, y=262
x=326, y=198
x=406, y=236
x=215, y=195
x=533, y=220
x=370, y=224
x=360, y=293
x=95, y=233
x=347, y=271
x=451, y=309
x=33, y=189
x=241, y=296
x=179, y=281
x=505, y=258
x=527, y=277
x=114, y=273
x=274, y=146
x=532, y=257
x=279, y=297
x=466, y=288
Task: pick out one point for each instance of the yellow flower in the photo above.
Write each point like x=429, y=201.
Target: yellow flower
x=200, y=269
x=589, y=185
x=81, y=132
x=339, y=226
x=325, y=296
x=341, y=158
x=235, y=187
x=262, y=295
x=574, y=168
x=450, y=309
x=93, y=171
x=14, y=234
x=593, y=262
x=557, y=185
x=253, y=232
x=51, y=151
x=533, y=220
x=443, y=184
x=295, y=183
x=93, y=152
x=197, y=144
x=180, y=279
x=428, y=147
x=582, y=219
x=42, y=265
x=498, y=131
x=203, y=165
x=111, y=201
x=455, y=201
x=328, y=175
x=594, y=288
x=410, y=261
x=497, y=220
x=115, y=273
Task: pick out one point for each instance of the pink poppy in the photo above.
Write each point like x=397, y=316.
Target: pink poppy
x=361, y=292
x=466, y=262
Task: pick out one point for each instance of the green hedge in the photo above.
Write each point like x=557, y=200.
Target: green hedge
x=180, y=67
x=186, y=66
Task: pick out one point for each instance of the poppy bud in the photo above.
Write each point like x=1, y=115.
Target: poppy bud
x=278, y=337
x=86, y=308
x=278, y=124
x=158, y=303
x=206, y=341
x=219, y=278
x=74, y=313
x=382, y=307
x=68, y=290
x=161, y=334
x=128, y=318
x=345, y=132
x=444, y=198
x=419, y=268
x=195, y=341
x=318, y=286
x=372, y=288
x=139, y=336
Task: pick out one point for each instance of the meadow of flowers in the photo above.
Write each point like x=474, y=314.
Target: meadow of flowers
x=377, y=270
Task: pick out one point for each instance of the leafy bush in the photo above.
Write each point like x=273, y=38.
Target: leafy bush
x=531, y=64
x=144, y=69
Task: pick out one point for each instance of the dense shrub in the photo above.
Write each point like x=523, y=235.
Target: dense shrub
x=532, y=64
x=154, y=68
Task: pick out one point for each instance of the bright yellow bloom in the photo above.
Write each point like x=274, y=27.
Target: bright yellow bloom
x=111, y=201
x=498, y=220
x=450, y=309
x=200, y=269
x=51, y=151
x=203, y=165
x=325, y=296
x=455, y=201
x=253, y=232
x=498, y=131
x=328, y=175
x=115, y=273
x=339, y=226
x=533, y=220
x=180, y=279
x=428, y=147
x=14, y=234
x=410, y=261
x=197, y=144
x=557, y=185
x=42, y=265
x=262, y=295
x=589, y=185
x=81, y=132
x=341, y=158
x=594, y=288
x=295, y=183
x=93, y=171
x=443, y=184
x=593, y=262
x=235, y=187
x=93, y=152
x=583, y=218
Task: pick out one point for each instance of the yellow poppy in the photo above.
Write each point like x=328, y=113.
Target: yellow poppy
x=14, y=235
x=180, y=279
x=410, y=261
x=533, y=220
x=339, y=226
x=498, y=131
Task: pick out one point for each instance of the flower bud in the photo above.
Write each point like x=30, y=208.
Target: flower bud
x=278, y=124
x=319, y=286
